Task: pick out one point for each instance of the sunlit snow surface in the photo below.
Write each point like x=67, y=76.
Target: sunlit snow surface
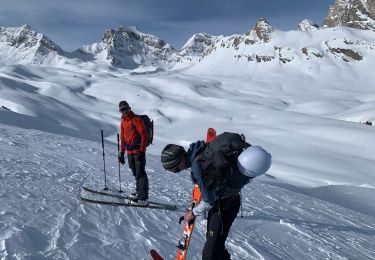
x=42, y=217
x=315, y=203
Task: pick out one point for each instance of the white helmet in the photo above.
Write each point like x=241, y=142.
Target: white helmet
x=254, y=161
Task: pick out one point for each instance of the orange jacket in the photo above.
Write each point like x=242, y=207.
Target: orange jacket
x=133, y=134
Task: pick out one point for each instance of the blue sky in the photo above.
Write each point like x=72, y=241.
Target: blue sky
x=72, y=24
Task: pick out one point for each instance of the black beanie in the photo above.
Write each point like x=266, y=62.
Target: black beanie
x=171, y=156
x=123, y=106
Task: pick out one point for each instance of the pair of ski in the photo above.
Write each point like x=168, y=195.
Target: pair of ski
x=184, y=242
x=124, y=200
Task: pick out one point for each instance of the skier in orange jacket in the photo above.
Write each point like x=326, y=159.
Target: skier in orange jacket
x=133, y=137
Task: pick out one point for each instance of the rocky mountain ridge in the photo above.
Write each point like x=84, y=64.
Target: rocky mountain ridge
x=128, y=47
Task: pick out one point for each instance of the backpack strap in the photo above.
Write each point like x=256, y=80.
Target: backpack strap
x=137, y=141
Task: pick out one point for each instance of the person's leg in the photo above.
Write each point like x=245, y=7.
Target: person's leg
x=228, y=215
x=131, y=163
x=210, y=249
x=209, y=214
x=218, y=226
x=141, y=177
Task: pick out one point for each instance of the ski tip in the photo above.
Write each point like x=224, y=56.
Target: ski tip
x=211, y=134
x=155, y=255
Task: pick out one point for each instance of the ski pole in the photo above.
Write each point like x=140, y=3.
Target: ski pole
x=105, y=175
x=118, y=155
x=241, y=203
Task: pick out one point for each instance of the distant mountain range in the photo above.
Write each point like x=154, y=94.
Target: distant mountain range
x=127, y=47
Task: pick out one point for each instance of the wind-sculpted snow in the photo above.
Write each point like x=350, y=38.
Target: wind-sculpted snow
x=42, y=217
x=44, y=105
x=278, y=110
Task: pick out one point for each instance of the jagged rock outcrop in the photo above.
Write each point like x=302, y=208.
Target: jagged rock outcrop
x=263, y=30
x=358, y=14
x=307, y=26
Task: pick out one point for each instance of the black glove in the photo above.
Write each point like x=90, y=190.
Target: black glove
x=121, y=158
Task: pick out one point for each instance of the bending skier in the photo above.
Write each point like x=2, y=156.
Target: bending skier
x=133, y=137
x=220, y=175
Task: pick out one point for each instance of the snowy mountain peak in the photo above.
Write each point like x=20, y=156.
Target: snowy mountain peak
x=26, y=27
x=263, y=30
x=197, y=44
x=129, y=47
x=23, y=45
x=24, y=37
x=358, y=14
x=307, y=26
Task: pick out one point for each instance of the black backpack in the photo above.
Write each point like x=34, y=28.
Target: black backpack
x=149, y=124
x=219, y=160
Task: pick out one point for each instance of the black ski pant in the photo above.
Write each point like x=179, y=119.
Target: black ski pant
x=219, y=221
x=137, y=164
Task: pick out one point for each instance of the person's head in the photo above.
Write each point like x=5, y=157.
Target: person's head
x=124, y=107
x=174, y=158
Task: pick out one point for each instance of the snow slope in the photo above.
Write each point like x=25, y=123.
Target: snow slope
x=42, y=217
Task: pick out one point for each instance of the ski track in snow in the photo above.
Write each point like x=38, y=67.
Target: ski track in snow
x=43, y=218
